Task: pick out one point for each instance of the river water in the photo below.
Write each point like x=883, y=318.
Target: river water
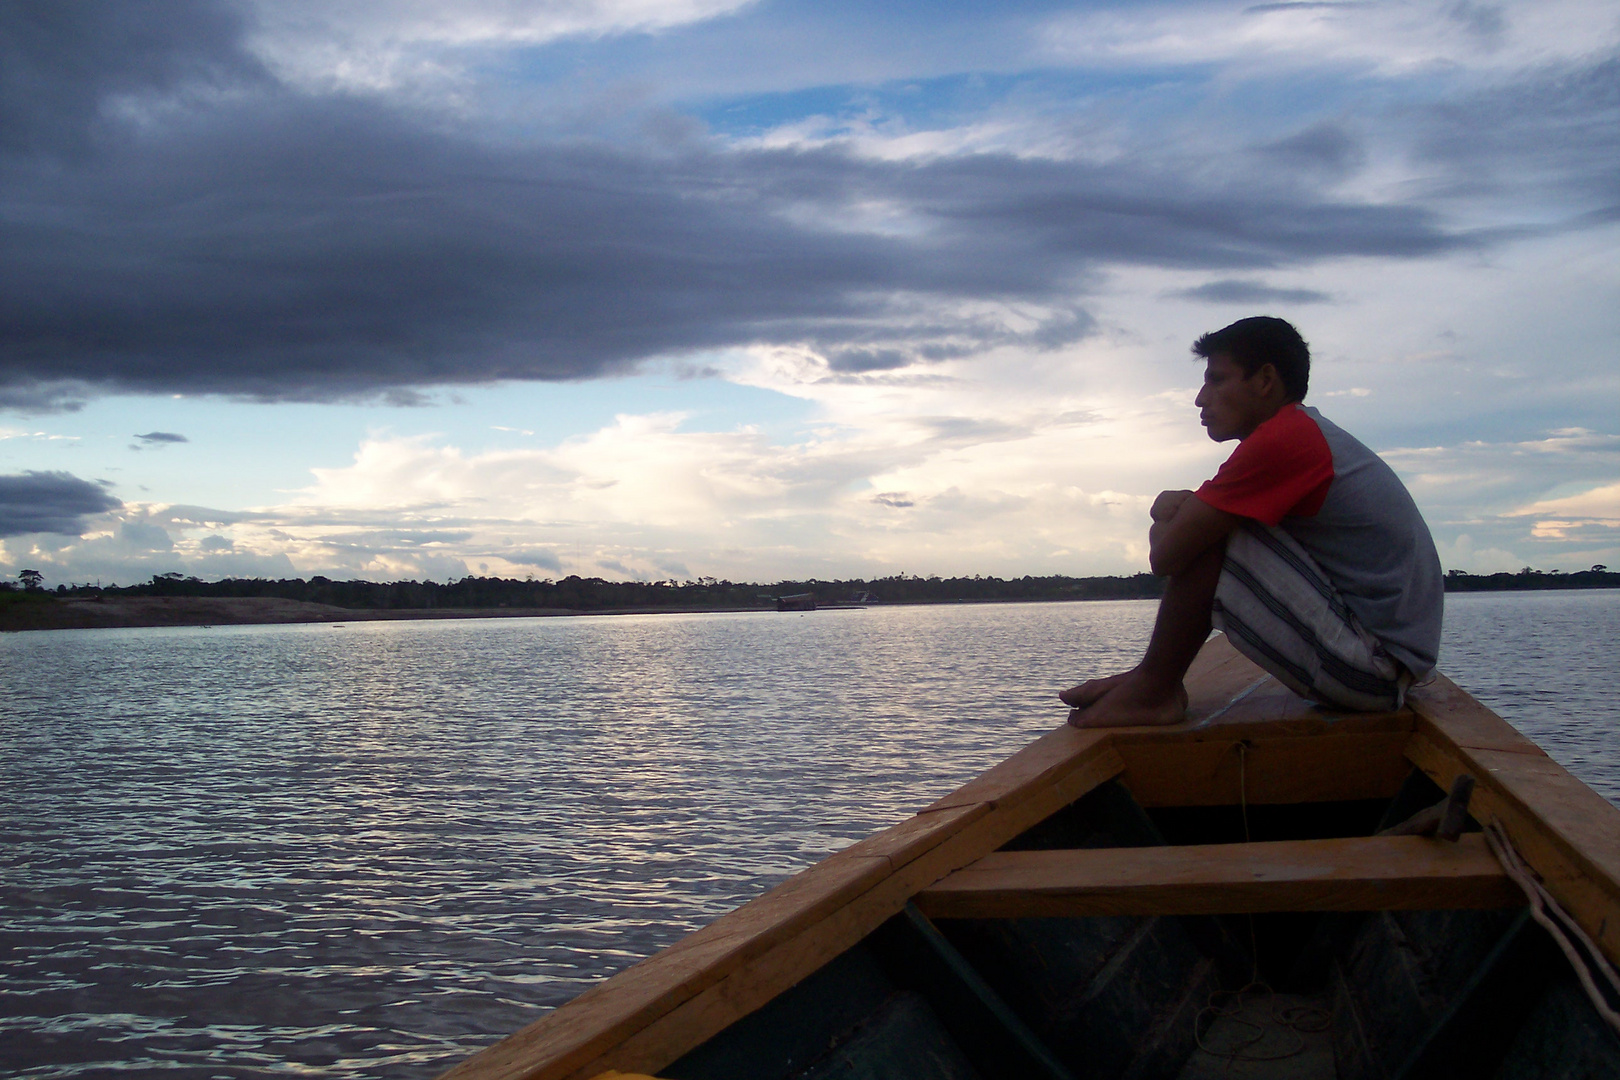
x=370, y=849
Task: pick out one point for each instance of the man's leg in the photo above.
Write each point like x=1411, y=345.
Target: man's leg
x=1279, y=609
x=1152, y=692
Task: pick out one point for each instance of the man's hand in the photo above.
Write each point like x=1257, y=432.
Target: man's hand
x=1166, y=505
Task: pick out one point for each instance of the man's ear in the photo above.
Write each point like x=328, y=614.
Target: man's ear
x=1267, y=379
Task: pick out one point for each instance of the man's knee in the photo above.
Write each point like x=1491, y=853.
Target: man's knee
x=1278, y=609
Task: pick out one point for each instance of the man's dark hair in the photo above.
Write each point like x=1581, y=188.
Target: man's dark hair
x=1255, y=342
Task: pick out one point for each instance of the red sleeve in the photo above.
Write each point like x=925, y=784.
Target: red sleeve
x=1284, y=468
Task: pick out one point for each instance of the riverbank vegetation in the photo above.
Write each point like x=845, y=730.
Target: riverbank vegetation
x=578, y=594
x=575, y=593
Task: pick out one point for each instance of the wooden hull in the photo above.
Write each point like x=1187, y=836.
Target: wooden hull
x=1076, y=910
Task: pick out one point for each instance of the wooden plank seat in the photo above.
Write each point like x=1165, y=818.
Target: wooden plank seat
x=1372, y=873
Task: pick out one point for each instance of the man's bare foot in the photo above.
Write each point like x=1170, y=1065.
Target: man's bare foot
x=1090, y=691
x=1128, y=703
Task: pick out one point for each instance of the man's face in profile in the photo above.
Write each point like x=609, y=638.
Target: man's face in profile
x=1232, y=404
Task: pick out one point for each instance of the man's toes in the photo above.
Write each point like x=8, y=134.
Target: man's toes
x=1122, y=708
x=1088, y=693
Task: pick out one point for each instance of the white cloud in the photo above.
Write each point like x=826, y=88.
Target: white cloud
x=44, y=436
x=1575, y=516
x=374, y=45
x=967, y=475
x=1502, y=497
x=883, y=137
x=1599, y=504
x=1007, y=464
x=1461, y=554
x=1390, y=39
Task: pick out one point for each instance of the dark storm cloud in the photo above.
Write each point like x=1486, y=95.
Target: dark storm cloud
x=261, y=242
x=1485, y=21
x=62, y=65
x=858, y=360
x=310, y=252
x=49, y=502
x=1555, y=134
x=1234, y=291
x=1326, y=147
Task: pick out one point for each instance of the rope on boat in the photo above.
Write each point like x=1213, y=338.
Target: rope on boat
x=1558, y=923
x=1231, y=1005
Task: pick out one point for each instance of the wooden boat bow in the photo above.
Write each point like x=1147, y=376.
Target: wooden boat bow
x=1249, y=743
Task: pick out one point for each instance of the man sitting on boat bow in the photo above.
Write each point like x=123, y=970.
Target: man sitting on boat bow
x=1305, y=549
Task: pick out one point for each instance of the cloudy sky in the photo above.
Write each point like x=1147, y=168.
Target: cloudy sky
x=782, y=289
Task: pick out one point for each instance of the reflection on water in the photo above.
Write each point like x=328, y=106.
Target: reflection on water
x=1547, y=662
x=369, y=850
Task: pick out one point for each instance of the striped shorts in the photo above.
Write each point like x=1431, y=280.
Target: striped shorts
x=1277, y=608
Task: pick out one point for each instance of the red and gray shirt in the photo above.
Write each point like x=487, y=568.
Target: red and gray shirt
x=1348, y=509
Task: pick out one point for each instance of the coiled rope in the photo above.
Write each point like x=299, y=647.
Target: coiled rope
x=1255, y=1007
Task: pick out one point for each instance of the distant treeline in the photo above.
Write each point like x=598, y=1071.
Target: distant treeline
x=1599, y=577
x=595, y=594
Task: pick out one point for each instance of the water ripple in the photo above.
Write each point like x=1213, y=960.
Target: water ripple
x=371, y=850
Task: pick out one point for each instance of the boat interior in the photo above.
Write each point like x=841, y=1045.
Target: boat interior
x=1394, y=993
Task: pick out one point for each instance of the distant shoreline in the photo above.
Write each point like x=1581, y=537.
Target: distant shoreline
x=158, y=611
x=21, y=612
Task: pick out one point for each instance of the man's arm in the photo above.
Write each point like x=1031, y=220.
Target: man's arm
x=1184, y=527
